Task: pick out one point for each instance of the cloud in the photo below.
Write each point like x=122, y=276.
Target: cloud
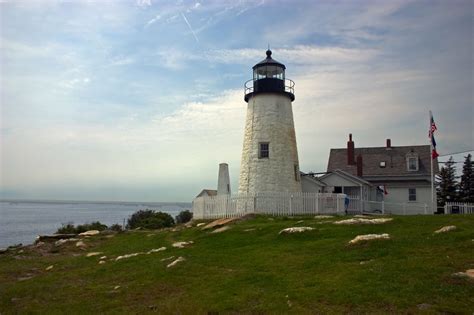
x=190, y=28
x=153, y=20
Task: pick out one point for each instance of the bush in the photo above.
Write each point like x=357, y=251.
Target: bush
x=149, y=219
x=116, y=227
x=69, y=228
x=184, y=216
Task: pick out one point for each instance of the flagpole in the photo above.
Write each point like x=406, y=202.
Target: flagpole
x=431, y=159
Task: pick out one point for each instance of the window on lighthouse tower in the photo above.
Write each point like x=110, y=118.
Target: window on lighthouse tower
x=263, y=150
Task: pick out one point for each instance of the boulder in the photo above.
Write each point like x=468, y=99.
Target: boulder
x=324, y=217
x=89, y=233
x=368, y=237
x=221, y=229
x=91, y=254
x=128, y=256
x=298, y=229
x=466, y=274
x=49, y=268
x=81, y=244
x=178, y=260
x=445, y=229
x=363, y=221
x=156, y=250
x=182, y=244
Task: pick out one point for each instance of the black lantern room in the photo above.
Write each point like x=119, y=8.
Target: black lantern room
x=269, y=77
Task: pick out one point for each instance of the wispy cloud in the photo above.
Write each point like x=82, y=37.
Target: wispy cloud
x=190, y=28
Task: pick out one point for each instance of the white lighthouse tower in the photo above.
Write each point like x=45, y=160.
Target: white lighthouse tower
x=269, y=156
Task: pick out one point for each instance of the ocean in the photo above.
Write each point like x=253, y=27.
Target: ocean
x=22, y=221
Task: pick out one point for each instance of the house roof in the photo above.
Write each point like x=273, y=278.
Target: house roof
x=209, y=192
x=394, y=158
x=315, y=180
x=346, y=175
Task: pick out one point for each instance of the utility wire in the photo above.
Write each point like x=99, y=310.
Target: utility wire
x=456, y=153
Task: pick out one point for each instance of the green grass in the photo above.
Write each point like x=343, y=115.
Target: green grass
x=256, y=271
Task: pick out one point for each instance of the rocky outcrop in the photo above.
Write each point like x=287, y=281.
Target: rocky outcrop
x=369, y=237
x=445, y=229
x=363, y=221
x=298, y=229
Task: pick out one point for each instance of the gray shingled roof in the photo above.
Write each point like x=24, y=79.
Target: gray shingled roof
x=395, y=159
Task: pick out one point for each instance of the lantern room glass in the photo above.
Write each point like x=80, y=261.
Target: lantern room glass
x=269, y=72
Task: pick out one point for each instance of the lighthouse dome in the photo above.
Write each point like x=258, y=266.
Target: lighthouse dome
x=269, y=77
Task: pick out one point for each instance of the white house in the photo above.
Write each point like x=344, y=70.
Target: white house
x=398, y=174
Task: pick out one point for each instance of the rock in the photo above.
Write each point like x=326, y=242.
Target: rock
x=169, y=258
x=200, y=224
x=364, y=221
x=49, y=268
x=103, y=257
x=182, y=244
x=445, y=229
x=248, y=230
x=156, y=250
x=116, y=287
x=89, y=233
x=180, y=259
x=81, y=244
x=368, y=237
x=221, y=229
x=298, y=229
x=42, y=238
x=101, y=262
x=323, y=217
x=467, y=274
x=424, y=306
x=25, y=278
x=64, y=241
x=219, y=222
x=301, y=221
x=91, y=254
x=110, y=235
x=128, y=256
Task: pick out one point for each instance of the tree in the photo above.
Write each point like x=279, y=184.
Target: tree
x=149, y=219
x=446, y=183
x=466, y=186
x=184, y=216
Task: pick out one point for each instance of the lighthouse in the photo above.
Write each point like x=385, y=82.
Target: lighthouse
x=269, y=156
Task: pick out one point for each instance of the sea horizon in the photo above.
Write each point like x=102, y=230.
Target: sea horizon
x=21, y=220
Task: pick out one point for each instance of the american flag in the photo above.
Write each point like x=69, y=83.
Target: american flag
x=432, y=126
x=434, y=153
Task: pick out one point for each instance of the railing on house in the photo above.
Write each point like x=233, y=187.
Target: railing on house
x=382, y=207
x=277, y=204
x=459, y=208
x=288, y=204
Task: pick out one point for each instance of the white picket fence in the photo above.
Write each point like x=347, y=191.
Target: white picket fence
x=288, y=204
x=277, y=204
x=459, y=208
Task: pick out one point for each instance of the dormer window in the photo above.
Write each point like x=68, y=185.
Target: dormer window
x=412, y=161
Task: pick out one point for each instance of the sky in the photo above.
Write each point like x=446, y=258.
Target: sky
x=141, y=100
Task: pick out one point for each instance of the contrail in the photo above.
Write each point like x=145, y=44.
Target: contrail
x=190, y=28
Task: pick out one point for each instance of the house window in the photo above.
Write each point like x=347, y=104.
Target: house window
x=263, y=150
x=337, y=190
x=412, y=161
x=411, y=194
x=297, y=173
x=382, y=164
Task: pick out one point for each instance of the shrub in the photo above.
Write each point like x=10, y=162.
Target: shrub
x=184, y=216
x=69, y=228
x=149, y=219
x=116, y=227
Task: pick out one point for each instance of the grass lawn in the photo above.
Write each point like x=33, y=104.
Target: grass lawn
x=250, y=268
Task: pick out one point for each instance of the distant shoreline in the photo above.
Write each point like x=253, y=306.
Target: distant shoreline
x=128, y=203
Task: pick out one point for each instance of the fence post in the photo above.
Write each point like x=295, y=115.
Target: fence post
x=383, y=207
x=291, y=205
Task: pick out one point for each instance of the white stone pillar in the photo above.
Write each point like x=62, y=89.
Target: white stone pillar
x=223, y=181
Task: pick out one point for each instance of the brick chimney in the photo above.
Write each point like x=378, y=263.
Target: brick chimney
x=389, y=144
x=350, y=151
x=359, y=166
